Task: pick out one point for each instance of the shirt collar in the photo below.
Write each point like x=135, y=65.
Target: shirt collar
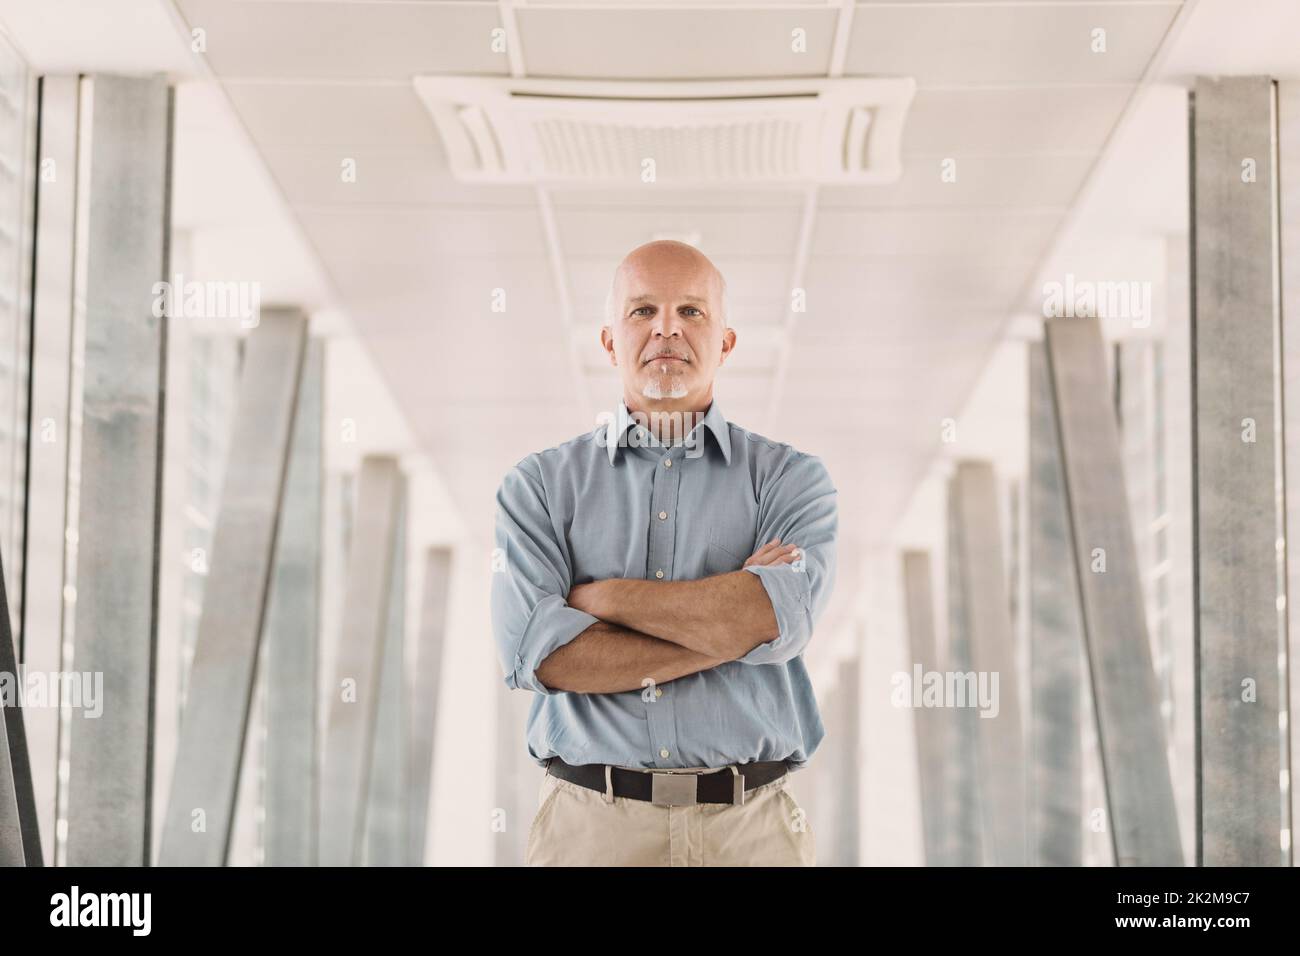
x=714, y=421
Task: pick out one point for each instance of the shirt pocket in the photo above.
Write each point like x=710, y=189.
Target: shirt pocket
x=730, y=546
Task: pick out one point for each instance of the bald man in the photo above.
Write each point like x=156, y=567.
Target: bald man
x=657, y=581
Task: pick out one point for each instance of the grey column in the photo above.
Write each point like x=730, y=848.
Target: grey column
x=964, y=843
x=126, y=205
x=1141, y=812
x=292, y=639
x=988, y=620
x=354, y=692
x=50, y=431
x=424, y=704
x=1235, y=333
x=930, y=722
x=1055, y=644
x=386, y=839
x=214, y=725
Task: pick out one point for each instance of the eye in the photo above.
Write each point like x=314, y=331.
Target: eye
x=692, y=308
x=644, y=308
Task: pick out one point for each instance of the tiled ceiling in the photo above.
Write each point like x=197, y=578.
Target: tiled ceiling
x=908, y=285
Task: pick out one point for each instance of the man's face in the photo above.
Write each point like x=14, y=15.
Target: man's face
x=667, y=335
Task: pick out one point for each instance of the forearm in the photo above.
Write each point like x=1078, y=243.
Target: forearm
x=607, y=658
x=724, y=616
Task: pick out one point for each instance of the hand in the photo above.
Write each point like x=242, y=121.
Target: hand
x=773, y=553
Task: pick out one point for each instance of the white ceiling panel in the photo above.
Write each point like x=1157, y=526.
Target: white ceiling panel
x=1003, y=182
x=427, y=235
x=931, y=232
x=1007, y=43
x=593, y=230
x=668, y=44
x=341, y=40
x=1048, y=120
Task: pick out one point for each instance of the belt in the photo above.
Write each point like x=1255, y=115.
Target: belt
x=672, y=788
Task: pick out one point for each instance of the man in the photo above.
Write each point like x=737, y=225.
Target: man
x=656, y=582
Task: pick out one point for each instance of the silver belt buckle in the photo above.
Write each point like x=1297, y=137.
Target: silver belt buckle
x=669, y=789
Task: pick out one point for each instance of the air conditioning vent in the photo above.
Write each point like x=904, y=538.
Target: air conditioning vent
x=695, y=133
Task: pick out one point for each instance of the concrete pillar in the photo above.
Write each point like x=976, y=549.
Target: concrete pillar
x=386, y=841
x=964, y=843
x=992, y=646
x=292, y=641
x=1055, y=644
x=124, y=184
x=214, y=725
x=931, y=723
x=424, y=703
x=1141, y=812
x=1239, y=523
x=355, y=688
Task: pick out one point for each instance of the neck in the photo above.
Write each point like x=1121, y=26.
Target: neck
x=668, y=419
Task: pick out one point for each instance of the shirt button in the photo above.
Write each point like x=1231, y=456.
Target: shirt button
x=659, y=573
x=663, y=751
x=659, y=691
x=668, y=462
x=663, y=515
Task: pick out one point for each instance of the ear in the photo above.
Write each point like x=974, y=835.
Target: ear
x=607, y=343
x=728, y=343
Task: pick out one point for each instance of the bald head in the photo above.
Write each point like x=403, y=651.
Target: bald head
x=666, y=326
x=665, y=254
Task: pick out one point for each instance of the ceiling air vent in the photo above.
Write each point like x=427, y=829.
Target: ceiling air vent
x=507, y=130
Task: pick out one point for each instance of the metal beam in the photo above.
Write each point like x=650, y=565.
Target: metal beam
x=1235, y=338
x=1288, y=110
x=20, y=832
x=424, y=704
x=988, y=620
x=1055, y=644
x=354, y=694
x=124, y=208
x=931, y=723
x=292, y=639
x=214, y=725
x=1141, y=812
x=49, y=431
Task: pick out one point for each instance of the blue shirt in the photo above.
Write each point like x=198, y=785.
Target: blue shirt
x=616, y=503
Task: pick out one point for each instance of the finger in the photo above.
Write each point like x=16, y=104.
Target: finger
x=762, y=553
x=787, y=554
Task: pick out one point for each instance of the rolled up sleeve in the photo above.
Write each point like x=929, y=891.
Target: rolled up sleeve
x=800, y=508
x=531, y=580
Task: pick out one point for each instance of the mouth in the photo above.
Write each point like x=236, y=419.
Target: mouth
x=666, y=359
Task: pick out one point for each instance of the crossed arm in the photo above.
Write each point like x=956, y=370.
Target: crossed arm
x=663, y=630
x=610, y=636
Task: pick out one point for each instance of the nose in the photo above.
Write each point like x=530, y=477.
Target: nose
x=668, y=324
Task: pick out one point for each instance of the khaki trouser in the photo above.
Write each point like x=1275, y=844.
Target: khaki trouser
x=575, y=826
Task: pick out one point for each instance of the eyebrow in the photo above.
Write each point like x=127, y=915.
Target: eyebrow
x=648, y=298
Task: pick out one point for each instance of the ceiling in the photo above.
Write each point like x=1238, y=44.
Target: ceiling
x=909, y=285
